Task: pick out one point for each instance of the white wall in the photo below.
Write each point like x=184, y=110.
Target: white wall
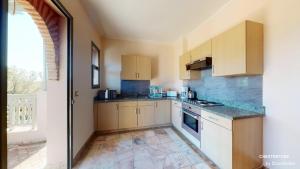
x=164, y=64
x=57, y=110
x=83, y=34
x=281, y=80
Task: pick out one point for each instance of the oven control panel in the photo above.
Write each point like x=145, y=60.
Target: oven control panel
x=191, y=108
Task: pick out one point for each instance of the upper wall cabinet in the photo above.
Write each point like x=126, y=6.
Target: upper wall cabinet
x=136, y=67
x=239, y=51
x=202, y=51
x=187, y=74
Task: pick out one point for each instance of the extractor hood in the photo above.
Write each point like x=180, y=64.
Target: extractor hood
x=202, y=64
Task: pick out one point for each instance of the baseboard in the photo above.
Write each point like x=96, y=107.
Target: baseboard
x=84, y=149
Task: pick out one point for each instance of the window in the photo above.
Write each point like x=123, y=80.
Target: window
x=95, y=66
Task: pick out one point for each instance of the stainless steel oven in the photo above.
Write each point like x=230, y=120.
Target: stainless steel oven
x=191, y=119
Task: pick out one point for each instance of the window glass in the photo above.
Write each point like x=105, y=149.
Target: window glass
x=95, y=66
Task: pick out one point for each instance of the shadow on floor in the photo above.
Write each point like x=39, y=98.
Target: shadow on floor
x=27, y=156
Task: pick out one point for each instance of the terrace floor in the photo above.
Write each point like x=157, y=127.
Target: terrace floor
x=29, y=156
x=148, y=149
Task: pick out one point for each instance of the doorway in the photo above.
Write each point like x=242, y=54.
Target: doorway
x=29, y=123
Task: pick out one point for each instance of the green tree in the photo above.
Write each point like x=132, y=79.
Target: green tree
x=20, y=81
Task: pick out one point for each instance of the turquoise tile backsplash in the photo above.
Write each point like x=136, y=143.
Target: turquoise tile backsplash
x=243, y=92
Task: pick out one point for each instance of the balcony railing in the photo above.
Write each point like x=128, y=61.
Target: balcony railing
x=21, y=111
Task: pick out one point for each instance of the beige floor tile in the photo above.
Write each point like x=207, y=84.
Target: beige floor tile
x=159, y=148
x=31, y=156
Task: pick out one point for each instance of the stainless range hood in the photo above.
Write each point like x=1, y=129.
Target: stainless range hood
x=202, y=64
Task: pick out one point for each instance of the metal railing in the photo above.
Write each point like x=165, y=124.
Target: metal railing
x=21, y=110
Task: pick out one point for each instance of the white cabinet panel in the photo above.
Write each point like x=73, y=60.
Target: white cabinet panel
x=216, y=143
x=162, y=112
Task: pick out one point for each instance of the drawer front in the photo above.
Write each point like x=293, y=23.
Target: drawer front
x=128, y=104
x=226, y=123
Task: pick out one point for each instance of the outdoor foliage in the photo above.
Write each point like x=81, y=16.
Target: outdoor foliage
x=20, y=81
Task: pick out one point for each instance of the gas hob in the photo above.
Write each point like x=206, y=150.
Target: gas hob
x=203, y=103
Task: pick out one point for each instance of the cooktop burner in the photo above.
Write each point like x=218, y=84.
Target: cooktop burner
x=203, y=103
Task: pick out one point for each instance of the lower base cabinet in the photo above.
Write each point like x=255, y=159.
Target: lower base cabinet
x=216, y=143
x=112, y=116
x=128, y=115
x=162, y=112
x=232, y=144
x=176, y=115
x=107, y=116
x=146, y=116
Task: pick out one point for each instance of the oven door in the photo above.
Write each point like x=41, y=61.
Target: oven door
x=191, y=123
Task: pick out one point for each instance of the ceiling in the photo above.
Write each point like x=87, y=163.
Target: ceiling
x=153, y=20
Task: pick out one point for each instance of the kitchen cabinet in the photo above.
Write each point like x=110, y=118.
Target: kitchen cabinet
x=143, y=68
x=136, y=67
x=129, y=67
x=176, y=114
x=187, y=74
x=162, y=112
x=202, y=51
x=107, y=116
x=128, y=115
x=238, y=51
x=216, y=143
x=113, y=116
x=232, y=144
x=146, y=113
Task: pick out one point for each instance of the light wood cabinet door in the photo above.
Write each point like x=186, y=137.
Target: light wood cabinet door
x=162, y=112
x=202, y=51
x=143, y=68
x=146, y=114
x=107, y=118
x=187, y=74
x=239, y=51
x=128, y=115
x=176, y=115
x=216, y=143
x=129, y=67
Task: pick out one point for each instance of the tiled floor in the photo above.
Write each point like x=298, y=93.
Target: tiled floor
x=32, y=156
x=148, y=149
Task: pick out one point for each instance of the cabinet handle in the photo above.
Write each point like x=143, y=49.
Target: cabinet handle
x=136, y=110
x=118, y=107
x=138, y=75
x=139, y=111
